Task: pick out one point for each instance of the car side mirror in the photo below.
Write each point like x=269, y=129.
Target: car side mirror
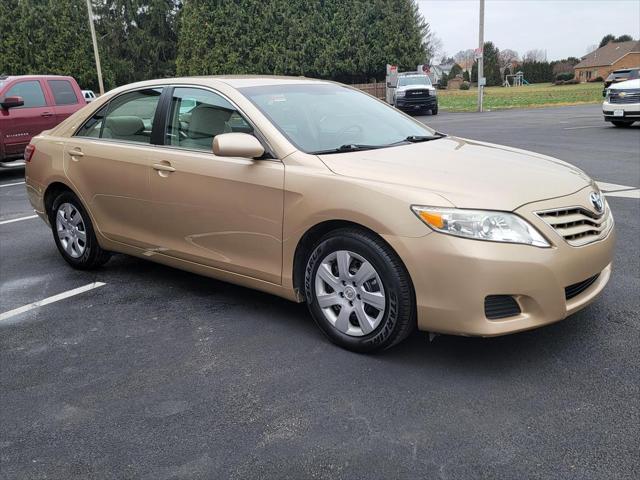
x=237, y=144
x=11, y=102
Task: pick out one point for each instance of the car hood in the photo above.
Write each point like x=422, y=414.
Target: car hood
x=626, y=85
x=467, y=173
x=415, y=87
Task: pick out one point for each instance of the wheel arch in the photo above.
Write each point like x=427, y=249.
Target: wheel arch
x=311, y=237
x=52, y=191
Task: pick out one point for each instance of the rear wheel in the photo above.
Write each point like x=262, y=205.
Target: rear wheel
x=359, y=292
x=620, y=123
x=74, y=234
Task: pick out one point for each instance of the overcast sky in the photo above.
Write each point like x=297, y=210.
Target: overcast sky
x=561, y=27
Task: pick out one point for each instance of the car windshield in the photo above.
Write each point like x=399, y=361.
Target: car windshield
x=322, y=117
x=414, y=80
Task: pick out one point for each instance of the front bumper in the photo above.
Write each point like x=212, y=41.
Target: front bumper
x=631, y=111
x=426, y=103
x=452, y=277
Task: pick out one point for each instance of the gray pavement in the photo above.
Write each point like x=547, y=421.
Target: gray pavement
x=161, y=374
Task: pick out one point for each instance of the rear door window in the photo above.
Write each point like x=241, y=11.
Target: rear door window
x=31, y=93
x=63, y=92
x=128, y=117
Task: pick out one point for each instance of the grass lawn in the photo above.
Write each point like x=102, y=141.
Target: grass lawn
x=528, y=96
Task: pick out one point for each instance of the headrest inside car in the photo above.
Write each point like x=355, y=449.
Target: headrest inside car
x=125, y=125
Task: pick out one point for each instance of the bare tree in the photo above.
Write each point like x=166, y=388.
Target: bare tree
x=434, y=48
x=465, y=59
x=506, y=57
x=535, y=55
x=591, y=48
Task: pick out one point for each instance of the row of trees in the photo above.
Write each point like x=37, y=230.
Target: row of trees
x=137, y=39
x=500, y=63
x=347, y=40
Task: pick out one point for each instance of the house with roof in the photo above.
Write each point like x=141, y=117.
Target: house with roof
x=603, y=61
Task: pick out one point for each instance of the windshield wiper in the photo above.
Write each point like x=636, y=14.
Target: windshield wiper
x=419, y=138
x=349, y=147
x=424, y=138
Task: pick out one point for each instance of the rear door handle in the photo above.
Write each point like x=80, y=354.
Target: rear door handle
x=46, y=114
x=164, y=168
x=75, y=154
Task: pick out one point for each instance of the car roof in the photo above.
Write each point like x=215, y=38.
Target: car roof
x=33, y=77
x=235, y=81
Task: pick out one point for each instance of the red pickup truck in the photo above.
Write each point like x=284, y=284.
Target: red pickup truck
x=30, y=104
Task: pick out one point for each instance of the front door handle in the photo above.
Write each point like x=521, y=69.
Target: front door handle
x=163, y=167
x=46, y=114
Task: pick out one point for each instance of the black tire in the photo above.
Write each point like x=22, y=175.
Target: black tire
x=434, y=111
x=93, y=255
x=621, y=123
x=398, y=319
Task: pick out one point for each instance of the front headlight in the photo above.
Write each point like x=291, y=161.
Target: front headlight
x=432, y=92
x=400, y=93
x=481, y=225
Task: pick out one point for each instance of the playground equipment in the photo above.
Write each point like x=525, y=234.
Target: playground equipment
x=518, y=80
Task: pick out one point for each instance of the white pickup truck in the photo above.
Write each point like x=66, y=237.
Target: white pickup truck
x=622, y=103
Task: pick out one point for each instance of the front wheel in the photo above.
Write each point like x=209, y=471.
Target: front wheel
x=620, y=123
x=434, y=110
x=74, y=234
x=359, y=292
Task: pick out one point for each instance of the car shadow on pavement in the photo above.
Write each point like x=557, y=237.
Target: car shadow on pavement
x=293, y=323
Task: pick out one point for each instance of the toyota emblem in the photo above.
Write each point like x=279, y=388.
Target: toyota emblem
x=596, y=201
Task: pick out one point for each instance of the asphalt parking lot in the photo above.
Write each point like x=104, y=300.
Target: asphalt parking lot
x=162, y=374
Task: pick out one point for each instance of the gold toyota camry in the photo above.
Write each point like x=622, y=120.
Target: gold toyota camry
x=319, y=193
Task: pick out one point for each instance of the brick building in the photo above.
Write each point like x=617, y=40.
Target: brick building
x=603, y=61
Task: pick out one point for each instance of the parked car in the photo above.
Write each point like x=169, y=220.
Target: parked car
x=89, y=96
x=319, y=193
x=415, y=93
x=30, y=104
x=621, y=105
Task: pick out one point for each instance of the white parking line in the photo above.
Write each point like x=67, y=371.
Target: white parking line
x=18, y=219
x=624, y=193
x=11, y=184
x=612, y=187
x=585, y=126
x=61, y=296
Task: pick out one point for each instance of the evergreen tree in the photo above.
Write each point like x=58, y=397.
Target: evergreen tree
x=491, y=66
x=347, y=40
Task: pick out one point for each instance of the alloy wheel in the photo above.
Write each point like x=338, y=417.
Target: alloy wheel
x=350, y=293
x=71, y=230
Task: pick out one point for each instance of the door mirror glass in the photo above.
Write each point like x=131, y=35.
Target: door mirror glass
x=11, y=102
x=237, y=145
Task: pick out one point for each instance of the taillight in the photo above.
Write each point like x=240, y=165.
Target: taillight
x=28, y=152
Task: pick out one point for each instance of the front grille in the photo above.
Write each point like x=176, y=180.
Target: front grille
x=624, y=96
x=500, y=306
x=577, y=288
x=577, y=225
x=413, y=94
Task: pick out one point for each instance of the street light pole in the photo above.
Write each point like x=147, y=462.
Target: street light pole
x=95, y=46
x=480, y=58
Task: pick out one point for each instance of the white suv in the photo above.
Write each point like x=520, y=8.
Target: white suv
x=622, y=103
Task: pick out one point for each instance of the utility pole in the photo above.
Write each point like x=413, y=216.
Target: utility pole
x=480, y=57
x=95, y=46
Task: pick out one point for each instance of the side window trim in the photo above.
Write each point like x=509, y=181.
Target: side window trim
x=269, y=152
x=161, y=117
